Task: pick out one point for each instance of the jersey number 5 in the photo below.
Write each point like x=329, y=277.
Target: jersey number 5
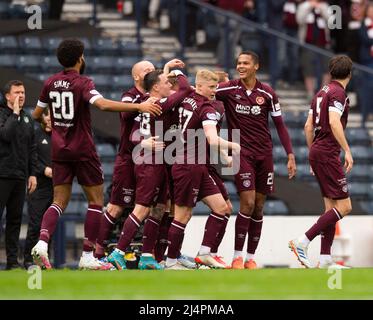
x=62, y=104
x=318, y=109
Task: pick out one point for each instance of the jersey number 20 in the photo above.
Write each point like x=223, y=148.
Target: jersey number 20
x=62, y=104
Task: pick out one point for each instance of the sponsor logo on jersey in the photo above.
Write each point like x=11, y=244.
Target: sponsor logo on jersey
x=255, y=110
x=237, y=96
x=242, y=109
x=259, y=100
x=44, y=141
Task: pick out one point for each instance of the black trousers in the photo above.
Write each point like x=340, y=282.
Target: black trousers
x=37, y=203
x=12, y=197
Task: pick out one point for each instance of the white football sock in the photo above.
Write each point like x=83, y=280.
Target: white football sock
x=249, y=256
x=237, y=254
x=325, y=259
x=204, y=250
x=170, y=262
x=304, y=240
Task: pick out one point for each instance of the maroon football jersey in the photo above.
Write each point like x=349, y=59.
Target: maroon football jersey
x=195, y=112
x=248, y=111
x=146, y=125
x=127, y=120
x=330, y=98
x=68, y=95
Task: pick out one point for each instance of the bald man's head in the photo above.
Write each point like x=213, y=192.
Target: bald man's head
x=139, y=70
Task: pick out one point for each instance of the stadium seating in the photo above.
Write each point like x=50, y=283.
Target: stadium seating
x=106, y=151
x=8, y=44
x=31, y=45
x=8, y=60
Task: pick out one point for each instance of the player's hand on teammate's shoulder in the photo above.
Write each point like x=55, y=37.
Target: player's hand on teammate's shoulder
x=48, y=172
x=292, y=167
x=150, y=106
x=349, y=161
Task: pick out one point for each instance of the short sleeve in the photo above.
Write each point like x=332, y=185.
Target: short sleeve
x=90, y=94
x=337, y=102
x=208, y=115
x=43, y=98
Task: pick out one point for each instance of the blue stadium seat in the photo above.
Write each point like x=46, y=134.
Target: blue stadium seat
x=105, y=46
x=358, y=136
x=124, y=65
x=77, y=192
x=297, y=136
x=29, y=63
x=50, y=44
x=39, y=76
x=279, y=153
x=76, y=207
x=102, y=65
x=102, y=82
x=275, y=207
x=108, y=168
x=367, y=206
x=294, y=120
x=127, y=48
x=8, y=44
x=361, y=173
x=116, y=96
x=303, y=172
x=122, y=82
x=281, y=169
x=362, y=154
x=8, y=60
x=201, y=209
x=106, y=151
x=231, y=189
x=31, y=45
x=88, y=50
x=50, y=64
x=4, y=10
x=360, y=190
x=301, y=154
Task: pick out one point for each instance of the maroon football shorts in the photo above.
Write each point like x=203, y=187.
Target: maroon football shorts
x=151, y=184
x=88, y=172
x=256, y=173
x=124, y=182
x=190, y=182
x=218, y=181
x=329, y=173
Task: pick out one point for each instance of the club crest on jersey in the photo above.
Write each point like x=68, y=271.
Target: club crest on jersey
x=127, y=199
x=26, y=120
x=259, y=100
x=246, y=183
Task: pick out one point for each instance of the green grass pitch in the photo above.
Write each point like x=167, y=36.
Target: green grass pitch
x=198, y=284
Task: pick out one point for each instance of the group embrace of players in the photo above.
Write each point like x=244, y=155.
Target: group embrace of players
x=163, y=186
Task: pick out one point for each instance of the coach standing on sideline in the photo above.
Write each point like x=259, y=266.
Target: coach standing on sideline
x=17, y=164
x=42, y=198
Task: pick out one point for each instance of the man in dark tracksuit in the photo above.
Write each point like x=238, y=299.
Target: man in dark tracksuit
x=39, y=201
x=17, y=164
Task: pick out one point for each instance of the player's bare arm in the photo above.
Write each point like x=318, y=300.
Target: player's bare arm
x=217, y=142
x=309, y=130
x=148, y=106
x=174, y=63
x=338, y=133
